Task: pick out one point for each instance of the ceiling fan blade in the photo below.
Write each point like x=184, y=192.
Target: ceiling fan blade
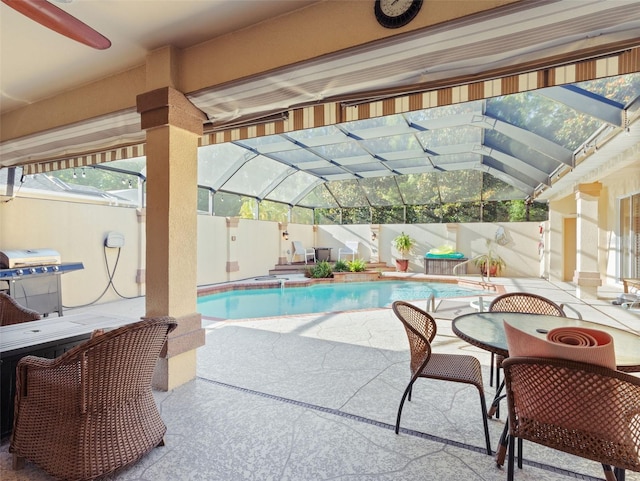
x=60, y=21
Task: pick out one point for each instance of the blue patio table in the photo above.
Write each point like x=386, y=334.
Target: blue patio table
x=486, y=331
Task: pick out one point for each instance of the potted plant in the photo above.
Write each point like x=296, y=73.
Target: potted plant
x=490, y=263
x=404, y=244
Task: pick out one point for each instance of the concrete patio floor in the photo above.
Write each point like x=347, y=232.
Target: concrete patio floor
x=314, y=397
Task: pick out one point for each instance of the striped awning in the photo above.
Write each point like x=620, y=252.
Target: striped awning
x=124, y=134
x=338, y=112
x=102, y=139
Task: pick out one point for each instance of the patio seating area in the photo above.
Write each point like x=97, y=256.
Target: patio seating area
x=313, y=397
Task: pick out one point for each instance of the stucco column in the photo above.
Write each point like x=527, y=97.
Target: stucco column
x=232, y=246
x=587, y=275
x=173, y=126
x=283, y=243
x=452, y=234
x=375, y=243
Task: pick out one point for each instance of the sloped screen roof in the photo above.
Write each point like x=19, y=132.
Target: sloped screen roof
x=502, y=148
x=497, y=149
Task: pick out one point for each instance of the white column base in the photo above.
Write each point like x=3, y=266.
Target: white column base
x=587, y=284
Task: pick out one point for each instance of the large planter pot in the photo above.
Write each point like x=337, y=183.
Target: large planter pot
x=493, y=271
x=402, y=265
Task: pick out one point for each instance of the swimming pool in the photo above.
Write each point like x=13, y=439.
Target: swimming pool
x=347, y=296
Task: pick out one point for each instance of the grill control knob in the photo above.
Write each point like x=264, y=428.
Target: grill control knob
x=19, y=272
x=44, y=269
x=32, y=270
x=55, y=268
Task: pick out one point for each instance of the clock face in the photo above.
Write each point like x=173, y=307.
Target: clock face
x=396, y=13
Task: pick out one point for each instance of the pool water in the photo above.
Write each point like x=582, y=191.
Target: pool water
x=348, y=296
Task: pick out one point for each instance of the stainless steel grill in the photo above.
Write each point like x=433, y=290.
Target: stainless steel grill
x=32, y=277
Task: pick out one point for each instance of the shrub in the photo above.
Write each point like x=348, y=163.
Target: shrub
x=321, y=270
x=357, y=265
x=341, y=266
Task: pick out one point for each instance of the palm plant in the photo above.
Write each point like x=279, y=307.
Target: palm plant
x=404, y=244
x=490, y=263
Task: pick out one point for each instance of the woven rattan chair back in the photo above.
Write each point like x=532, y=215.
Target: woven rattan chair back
x=91, y=410
x=421, y=329
x=13, y=313
x=525, y=302
x=582, y=409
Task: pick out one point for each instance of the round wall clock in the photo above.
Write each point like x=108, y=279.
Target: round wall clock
x=396, y=13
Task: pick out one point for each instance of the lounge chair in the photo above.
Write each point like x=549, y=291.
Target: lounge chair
x=631, y=297
x=631, y=285
x=300, y=250
x=350, y=249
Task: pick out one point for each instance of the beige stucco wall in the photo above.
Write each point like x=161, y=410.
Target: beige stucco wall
x=211, y=250
x=520, y=254
x=78, y=230
x=623, y=183
x=554, y=249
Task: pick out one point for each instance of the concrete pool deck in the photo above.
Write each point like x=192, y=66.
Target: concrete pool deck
x=314, y=397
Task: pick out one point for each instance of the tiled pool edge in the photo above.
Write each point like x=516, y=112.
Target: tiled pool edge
x=365, y=276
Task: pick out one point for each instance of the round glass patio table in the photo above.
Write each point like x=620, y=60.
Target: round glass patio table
x=486, y=331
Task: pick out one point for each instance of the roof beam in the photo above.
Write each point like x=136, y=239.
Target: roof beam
x=586, y=102
x=536, y=142
x=519, y=166
x=306, y=191
x=515, y=163
x=508, y=179
x=516, y=177
x=276, y=182
x=237, y=165
x=487, y=122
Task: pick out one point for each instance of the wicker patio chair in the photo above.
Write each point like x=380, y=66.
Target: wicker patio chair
x=582, y=409
x=517, y=302
x=91, y=410
x=13, y=313
x=421, y=330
